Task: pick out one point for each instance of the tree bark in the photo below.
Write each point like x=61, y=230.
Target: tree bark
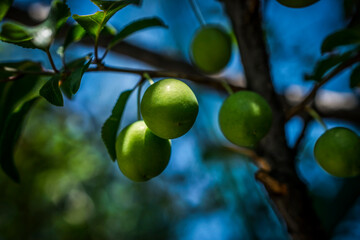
x=293, y=203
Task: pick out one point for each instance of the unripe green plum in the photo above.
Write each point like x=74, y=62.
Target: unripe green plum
x=211, y=49
x=169, y=108
x=297, y=3
x=338, y=152
x=141, y=155
x=245, y=118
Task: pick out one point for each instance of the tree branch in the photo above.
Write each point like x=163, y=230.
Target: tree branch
x=298, y=108
x=295, y=206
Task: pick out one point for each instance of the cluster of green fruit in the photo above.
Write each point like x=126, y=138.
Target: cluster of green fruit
x=169, y=109
x=245, y=117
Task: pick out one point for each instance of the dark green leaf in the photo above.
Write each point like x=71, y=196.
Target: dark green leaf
x=9, y=138
x=51, y=91
x=112, y=5
x=134, y=27
x=341, y=38
x=94, y=23
x=297, y=3
x=111, y=125
x=13, y=92
x=17, y=34
x=71, y=84
x=325, y=65
x=75, y=34
x=91, y=23
x=40, y=36
x=4, y=7
x=355, y=77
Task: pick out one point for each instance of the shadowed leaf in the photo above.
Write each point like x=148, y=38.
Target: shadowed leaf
x=355, y=77
x=134, y=27
x=340, y=38
x=9, y=138
x=110, y=128
x=51, y=91
x=94, y=23
x=40, y=36
x=4, y=7
x=71, y=84
x=325, y=65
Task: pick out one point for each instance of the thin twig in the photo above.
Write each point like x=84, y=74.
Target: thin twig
x=139, y=99
x=306, y=119
x=197, y=78
x=298, y=108
x=51, y=60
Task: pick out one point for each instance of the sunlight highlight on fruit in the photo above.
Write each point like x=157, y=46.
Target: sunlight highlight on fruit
x=245, y=118
x=169, y=108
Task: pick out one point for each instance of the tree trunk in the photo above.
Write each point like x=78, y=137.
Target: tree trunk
x=293, y=202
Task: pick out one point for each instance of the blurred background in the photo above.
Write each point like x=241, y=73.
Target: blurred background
x=71, y=189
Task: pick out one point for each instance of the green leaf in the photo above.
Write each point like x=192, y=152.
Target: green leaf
x=134, y=27
x=17, y=34
x=297, y=3
x=341, y=38
x=325, y=65
x=112, y=5
x=71, y=84
x=94, y=23
x=108, y=30
x=51, y=91
x=110, y=128
x=13, y=92
x=75, y=34
x=4, y=7
x=9, y=138
x=40, y=36
x=355, y=77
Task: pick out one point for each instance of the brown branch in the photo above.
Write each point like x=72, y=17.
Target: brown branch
x=295, y=206
x=197, y=78
x=298, y=108
x=176, y=68
x=271, y=184
x=307, y=120
x=51, y=60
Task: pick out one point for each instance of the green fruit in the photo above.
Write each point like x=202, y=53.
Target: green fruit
x=245, y=118
x=141, y=155
x=338, y=152
x=169, y=108
x=211, y=49
x=297, y=3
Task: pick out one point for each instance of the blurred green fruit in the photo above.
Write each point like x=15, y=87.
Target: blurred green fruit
x=245, y=118
x=141, y=155
x=338, y=152
x=297, y=3
x=169, y=108
x=211, y=49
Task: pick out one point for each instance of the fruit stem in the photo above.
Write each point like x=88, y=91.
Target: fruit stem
x=227, y=86
x=316, y=116
x=147, y=76
x=197, y=12
x=139, y=100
